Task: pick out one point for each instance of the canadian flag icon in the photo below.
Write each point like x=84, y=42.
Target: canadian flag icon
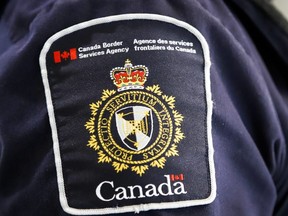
x=59, y=56
x=176, y=177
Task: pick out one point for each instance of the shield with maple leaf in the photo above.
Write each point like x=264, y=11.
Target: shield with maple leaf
x=134, y=126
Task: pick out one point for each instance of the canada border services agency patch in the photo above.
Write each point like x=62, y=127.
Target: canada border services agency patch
x=129, y=104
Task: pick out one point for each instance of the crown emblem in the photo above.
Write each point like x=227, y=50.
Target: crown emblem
x=129, y=76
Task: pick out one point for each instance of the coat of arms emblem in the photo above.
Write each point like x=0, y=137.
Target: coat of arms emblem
x=135, y=127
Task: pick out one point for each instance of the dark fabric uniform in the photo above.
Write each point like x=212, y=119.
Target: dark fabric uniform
x=249, y=81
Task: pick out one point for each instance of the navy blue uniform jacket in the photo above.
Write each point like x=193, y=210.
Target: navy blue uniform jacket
x=248, y=81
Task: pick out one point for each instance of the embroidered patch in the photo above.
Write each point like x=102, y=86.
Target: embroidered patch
x=130, y=108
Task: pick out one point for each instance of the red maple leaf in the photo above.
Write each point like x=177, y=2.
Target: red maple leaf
x=65, y=55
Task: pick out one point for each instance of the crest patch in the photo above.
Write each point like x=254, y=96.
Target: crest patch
x=130, y=114
x=134, y=114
